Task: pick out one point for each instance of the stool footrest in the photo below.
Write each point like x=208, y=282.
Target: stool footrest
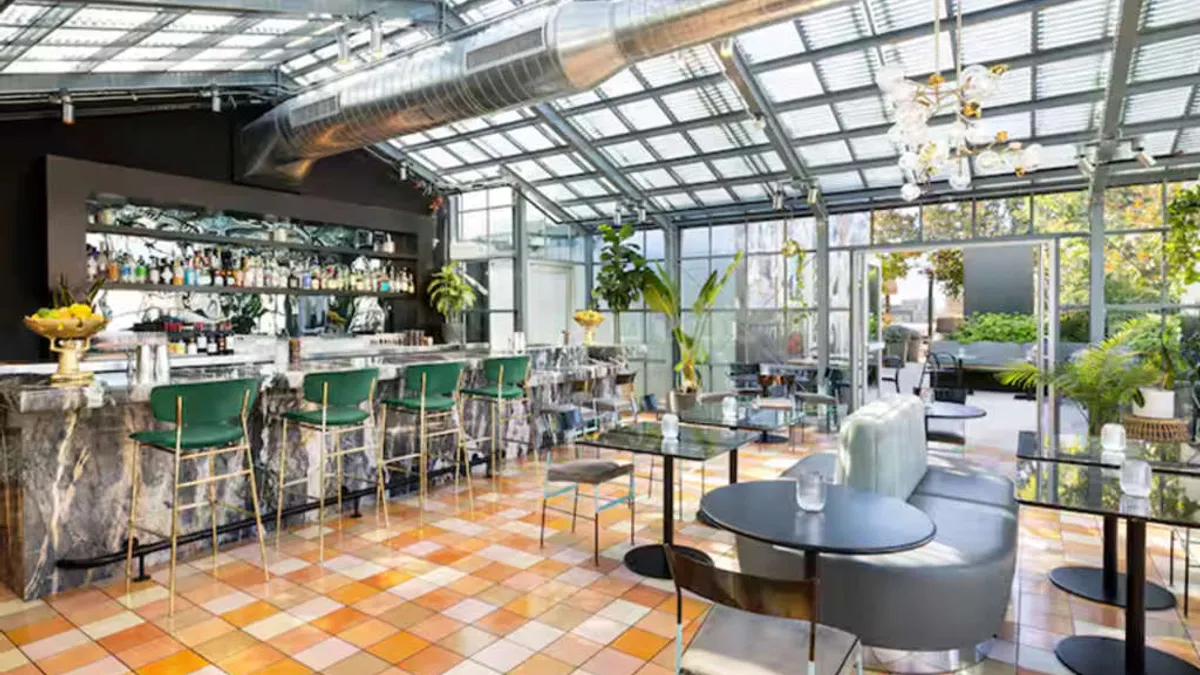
x=215, y=479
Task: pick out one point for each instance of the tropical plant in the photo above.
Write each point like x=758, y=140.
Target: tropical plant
x=620, y=279
x=1183, y=237
x=1102, y=378
x=791, y=249
x=996, y=327
x=662, y=295
x=947, y=267
x=1158, y=341
x=451, y=293
x=242, y=311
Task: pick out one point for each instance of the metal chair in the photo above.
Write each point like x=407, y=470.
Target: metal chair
x=896, y=362
x=209, y=422
x=622, y=407
x=578, y=472
x=504, y=385
x=339, y=397
x=760, y=625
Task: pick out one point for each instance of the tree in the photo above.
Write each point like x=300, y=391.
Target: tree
x=947, y=266
x=894, y=266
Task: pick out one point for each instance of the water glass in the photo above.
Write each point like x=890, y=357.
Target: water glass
x=1135, y=478
x=1112, y=437
x=670, y=426
x=729, y=407
x=810, y=491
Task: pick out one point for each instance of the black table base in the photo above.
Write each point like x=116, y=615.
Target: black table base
x=651, y=560
x=1095, y=655
x=1088, y=582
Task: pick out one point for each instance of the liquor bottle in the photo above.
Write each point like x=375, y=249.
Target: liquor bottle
x=141, y=273
x=201, y=339
x=113, y=268
x=204, y=275
x=238, y=264
x=211, y=347
x=293, y=278
x=154, y=274
x=177, y=272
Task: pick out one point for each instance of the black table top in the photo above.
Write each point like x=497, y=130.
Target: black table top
x=694, y=443
x=853, y=522
x=754, y=419
x=1096, y=490
x=953, y=411
x=1163, y=457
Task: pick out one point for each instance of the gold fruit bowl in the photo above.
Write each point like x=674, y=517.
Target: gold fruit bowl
x=588, y=322
x=71, y=337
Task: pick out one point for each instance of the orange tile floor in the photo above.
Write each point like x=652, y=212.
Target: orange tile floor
x=465, y=589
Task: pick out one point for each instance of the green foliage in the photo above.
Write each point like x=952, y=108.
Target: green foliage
x=1074, y=327
x=451, y=293
x=896, y=265
x=243, y=311
x=1103, y=379
x=1158, y=342
x=662, y=295
x=620, y=279
x=947, y=264
x=996, y=327
x=1183, y=237
x=791, y=249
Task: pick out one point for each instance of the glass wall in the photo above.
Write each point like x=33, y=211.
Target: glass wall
x=482, y=237
x=638, y=326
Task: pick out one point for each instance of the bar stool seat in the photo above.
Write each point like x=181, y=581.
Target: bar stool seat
x=587, y=471
x=191, y=438
x=493, y=390
x=334, y=417
x=432, y=402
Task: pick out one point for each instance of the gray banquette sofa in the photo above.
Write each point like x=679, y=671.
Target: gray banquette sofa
x=950, y=594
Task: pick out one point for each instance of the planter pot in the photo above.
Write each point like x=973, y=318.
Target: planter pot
x=684, y=401
x=454, y=332
x=1158, y=403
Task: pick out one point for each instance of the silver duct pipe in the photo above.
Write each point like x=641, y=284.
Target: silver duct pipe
x=545, y=53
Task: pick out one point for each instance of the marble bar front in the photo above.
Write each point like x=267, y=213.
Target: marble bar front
x=65, y=458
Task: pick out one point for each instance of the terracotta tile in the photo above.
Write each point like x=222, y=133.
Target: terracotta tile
x=298, y=639
x=496, y=572
x=76, y=657
x=339, y=620
x=439, y=599
x=285, y=667
x=572, y=649
x=398, y=647
x=406, y=615
x=251, y=660
x=540, y=664
x=432, y=660
x=131, y=637
x=467, y=641
x=353, y=592
x=221, y=648
x=368, y=632
x=642, y=644
x=149, y=652
x=38, y=631
x=180, y=663
x=386, y=579
x=255, y=611
x=435, y=627
x=530, y=606
x=361, y=663
x=644, y=595
x=501, y=622
x=563, y=616
x=470, y=585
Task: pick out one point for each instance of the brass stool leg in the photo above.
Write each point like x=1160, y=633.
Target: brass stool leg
x=280, y=480
x=650, y=482
x=174, y=538
x=495, y=444
x=422, y=459
x=380, y=466
x=337, y=450
x=212, y=507
x=321, y=500
x=133, y=497
x=262, y=532
x=632, y=505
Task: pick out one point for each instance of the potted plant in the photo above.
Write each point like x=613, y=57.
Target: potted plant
x=452, y=294
x=662, y=295
x=1157, y=341
x=1103, y=379
x=619, y=281
x=1182, y=244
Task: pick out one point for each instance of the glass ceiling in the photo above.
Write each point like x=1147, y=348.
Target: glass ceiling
x=674, y=126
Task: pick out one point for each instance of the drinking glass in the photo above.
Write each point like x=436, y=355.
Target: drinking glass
x=810, y=491
x=1135, y=478
x=1112, y=437
x=670, y=426
x=729, y=406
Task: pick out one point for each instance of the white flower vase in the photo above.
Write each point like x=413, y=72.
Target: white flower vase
x=1156, y=403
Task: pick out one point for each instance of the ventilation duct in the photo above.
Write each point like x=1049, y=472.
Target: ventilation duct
x=544, y=53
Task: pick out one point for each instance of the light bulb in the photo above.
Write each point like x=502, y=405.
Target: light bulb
x=960, y=179
x=989, y=160
x=910, y=192
x=957, y=132
x=1031, y=156
x=909, y=161
x=889, y=76
x=978, y=134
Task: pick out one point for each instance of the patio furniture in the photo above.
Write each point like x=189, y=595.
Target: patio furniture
x=946, y=422
x=1155, y=429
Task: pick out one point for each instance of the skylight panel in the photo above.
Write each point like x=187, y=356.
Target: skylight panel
x=834, y=26
x=621, y=84
x=861, y=112
x=582, y=212
x=680, y=200
x=108, y=19
x=276, y=26
x=978, y=5
x=201, y=21
x=625, y=154
x=82, y=36
x=694, y=104
x=772, y=42
x=115, y=66
x=890, y=15
x=504, y=117
x=23, y=66
x=809, y=121
x=1159, y=143
x=831, y=152
x=840, y=182
x=498, y=145
x=872, y=147
x=144, y=53
x=410, y=39
x=1064, y=119
x=644, y=115
x=791, y=82
x=557, y=192
x=1018, y=125
x=1167, y=12
x=678, y=66
x=771, y=162
x=204, y=65
x=588, y=188
x=710, y=139
x=468, y=152
x=993, y=41
x=472, y=124
x=1157, y=105
x=1014, y=88
x=529, y=170
x=465, y=177
x=884, y=176
x=1079, y=21
x=915, y=55
x=8, y=32
x=438, y=157
x=19, y=14
x=671, y=146
x=220, y=54
x=168, y=38
x=746, y=133
x=749, y=193
x=1189, y=140
x=1084, y=73
x=1166, y=59
x=246, y=40
x=530, y=138
x=57, y=53
x=695, y=172
x=600, y=123
x=732, y=167
x=653, y=179
x=585, y=98
x=713, y=197
x=562, y=165
x=494, y=8
x=1059, y=155
x=847, y=71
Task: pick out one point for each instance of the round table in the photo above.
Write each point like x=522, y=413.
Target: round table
x=944, y=410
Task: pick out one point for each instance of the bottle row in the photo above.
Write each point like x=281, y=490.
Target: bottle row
x=234, y=268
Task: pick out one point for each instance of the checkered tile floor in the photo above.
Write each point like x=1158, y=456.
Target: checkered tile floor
x=465, y=589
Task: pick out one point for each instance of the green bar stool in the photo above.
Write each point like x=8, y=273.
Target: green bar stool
x=431, y=397
x=339, y=396
x=210, y=421
x=505, y=384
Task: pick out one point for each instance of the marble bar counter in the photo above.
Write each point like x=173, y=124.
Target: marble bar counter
x=65, y=453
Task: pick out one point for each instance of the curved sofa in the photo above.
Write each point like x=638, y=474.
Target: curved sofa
x=950, y=594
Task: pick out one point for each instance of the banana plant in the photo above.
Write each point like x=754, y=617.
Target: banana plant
x=662, y=294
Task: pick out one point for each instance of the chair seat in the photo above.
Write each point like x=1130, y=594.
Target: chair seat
x=777, y=403
x=946, y=431
x=613, y=403
x=435, y=403
x=193, y=437
x=587, y=471
x=733, y=641
x=336, y=416
x=818, y=399
x=489, y=391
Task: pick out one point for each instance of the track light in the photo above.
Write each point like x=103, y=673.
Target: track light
x=403, y=172
x=343, y=45
x=1086, y=167
x=1145, y=159
x=376, y=36
x=641, y=214
x=778, y=199
x=216, y=100
x=68, y=109
x=726, y=48
x=759, y=121
x=814, y=194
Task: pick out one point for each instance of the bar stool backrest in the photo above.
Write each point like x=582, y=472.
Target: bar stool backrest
x=440, y=379
x=204, y=403
x=782, y=598
x=347, y=388
x=515, y=368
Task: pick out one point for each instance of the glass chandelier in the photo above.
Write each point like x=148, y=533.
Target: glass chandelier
x=925, y=152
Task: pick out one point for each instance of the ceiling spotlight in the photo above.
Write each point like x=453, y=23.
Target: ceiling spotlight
x=343, y=45
x=641, y=214
x=68, y=109
x=1145, y=159
x=216, y=100
x=778, y=199
x=759, y=121
x=814, y=194
x=376, y=36
x=1086, y=167
x=726, y=48
x=403, y=172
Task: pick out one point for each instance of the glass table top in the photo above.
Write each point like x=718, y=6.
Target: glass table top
x=1163, y=457
x=1090, y=488
x=646, y=438
x=748, y=417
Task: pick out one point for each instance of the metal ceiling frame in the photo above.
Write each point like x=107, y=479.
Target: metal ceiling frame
x=1115, y=95
x=417, y=10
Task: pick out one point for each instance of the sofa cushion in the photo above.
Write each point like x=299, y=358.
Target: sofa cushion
x=954, y=480
x=883, y=448
x=733, y=641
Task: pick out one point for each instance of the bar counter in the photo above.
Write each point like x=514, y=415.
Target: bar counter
x=65, y=453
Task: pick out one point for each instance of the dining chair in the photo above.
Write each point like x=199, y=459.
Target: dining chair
x=757, y=625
